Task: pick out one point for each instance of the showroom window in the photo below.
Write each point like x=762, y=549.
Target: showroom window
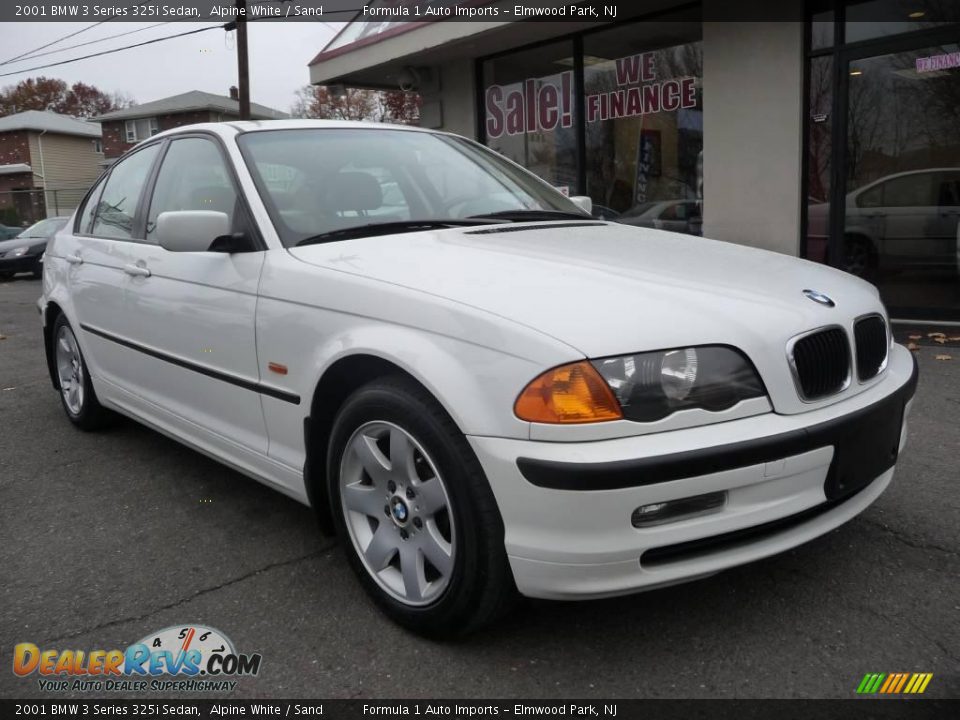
x=530, y=111
x=616, y=114
x=882, y=160
x=643, y=100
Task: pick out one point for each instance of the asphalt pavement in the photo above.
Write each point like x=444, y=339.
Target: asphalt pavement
x=107, y=537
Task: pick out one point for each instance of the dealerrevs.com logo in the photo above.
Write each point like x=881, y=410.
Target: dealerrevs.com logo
x=180, y=658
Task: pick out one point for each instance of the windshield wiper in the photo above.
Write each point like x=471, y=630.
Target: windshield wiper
x=520, y=215
x=386, y=228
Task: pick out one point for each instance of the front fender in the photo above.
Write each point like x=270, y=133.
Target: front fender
x=477, y=386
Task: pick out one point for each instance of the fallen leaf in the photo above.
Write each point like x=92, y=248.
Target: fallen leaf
x=954, y=338
x=3, y=337
x=915, y=337
x=913, y=346
x=936, y=334
x=940, y=340
x=943, y=357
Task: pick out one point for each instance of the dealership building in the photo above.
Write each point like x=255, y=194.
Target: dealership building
x=830, y=133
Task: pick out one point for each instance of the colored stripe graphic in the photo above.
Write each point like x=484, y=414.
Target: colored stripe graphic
x=894, y=683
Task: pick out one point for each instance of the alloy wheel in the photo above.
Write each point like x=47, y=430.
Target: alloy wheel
x=70, y=370
x=398, y=513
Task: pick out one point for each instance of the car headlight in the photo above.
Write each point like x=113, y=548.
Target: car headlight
x=650, y=386
x=20, y=251
x=643, y=387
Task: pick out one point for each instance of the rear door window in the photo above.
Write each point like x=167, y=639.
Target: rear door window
x=117, y=208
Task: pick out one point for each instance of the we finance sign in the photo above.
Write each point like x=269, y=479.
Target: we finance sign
x=545, y=104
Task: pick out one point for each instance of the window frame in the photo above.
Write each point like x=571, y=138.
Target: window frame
x=153, y=125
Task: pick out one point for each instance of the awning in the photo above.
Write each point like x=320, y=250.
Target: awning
x=15, y=169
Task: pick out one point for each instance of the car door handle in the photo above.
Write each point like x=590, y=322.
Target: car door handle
x=74, y=259
x=136, y=270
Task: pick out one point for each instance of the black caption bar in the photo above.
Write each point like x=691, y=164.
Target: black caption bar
x=431, y=710
x=411, y=11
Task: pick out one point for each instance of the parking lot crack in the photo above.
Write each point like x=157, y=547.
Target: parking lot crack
x=193, y=596
x=905, y=539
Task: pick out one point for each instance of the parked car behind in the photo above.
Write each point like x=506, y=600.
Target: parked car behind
x=8, y=231
x=481, y=387
x=24, y=253
x=905, y=220
x=682, y=216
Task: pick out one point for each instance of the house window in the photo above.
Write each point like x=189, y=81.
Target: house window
x=98, y=147
x=141, y=129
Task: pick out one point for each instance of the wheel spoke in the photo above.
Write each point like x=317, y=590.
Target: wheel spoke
x=373, y=461
x=364, y=499
x=382, y=547
x=411, y=566
x=437, y=550
x=430, y=497
x=401, y=456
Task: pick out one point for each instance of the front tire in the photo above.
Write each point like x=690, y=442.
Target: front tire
x=417, y=518
x=73, y=380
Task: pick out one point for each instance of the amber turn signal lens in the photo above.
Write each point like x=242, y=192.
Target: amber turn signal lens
x=574, y=393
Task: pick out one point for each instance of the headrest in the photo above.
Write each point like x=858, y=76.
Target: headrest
x=354, y=191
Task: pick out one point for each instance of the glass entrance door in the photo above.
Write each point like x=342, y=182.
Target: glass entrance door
x=901, y=205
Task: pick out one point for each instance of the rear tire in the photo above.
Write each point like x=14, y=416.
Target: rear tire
x=73, y=380
x=418, y=521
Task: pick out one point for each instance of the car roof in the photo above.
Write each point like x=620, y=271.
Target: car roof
x=231, y=128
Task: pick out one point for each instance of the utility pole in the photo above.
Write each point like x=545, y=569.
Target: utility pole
x=243, y=60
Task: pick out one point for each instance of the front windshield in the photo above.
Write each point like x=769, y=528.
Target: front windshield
x=45, y=228
x=316, y=181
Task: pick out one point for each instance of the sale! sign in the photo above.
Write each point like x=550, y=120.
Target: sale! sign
x=544, y=104
x=532, y=105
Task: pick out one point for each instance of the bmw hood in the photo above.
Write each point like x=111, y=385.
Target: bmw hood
x=606, y=288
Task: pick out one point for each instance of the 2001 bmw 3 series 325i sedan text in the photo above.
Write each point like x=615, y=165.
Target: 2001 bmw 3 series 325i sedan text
x=480, y=387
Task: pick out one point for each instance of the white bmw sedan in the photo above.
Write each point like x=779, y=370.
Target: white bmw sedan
x=480, y=387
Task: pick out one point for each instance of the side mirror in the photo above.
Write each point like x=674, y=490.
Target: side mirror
x=583, y=202
x=191, y=230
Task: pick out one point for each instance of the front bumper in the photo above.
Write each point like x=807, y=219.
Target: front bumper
x=784, y=477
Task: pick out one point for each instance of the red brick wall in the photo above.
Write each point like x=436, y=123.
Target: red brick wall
x=14, y=147
x=114, y=133
x=28, y=205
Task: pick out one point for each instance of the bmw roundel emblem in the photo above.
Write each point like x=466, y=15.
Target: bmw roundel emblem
x=819, y=297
